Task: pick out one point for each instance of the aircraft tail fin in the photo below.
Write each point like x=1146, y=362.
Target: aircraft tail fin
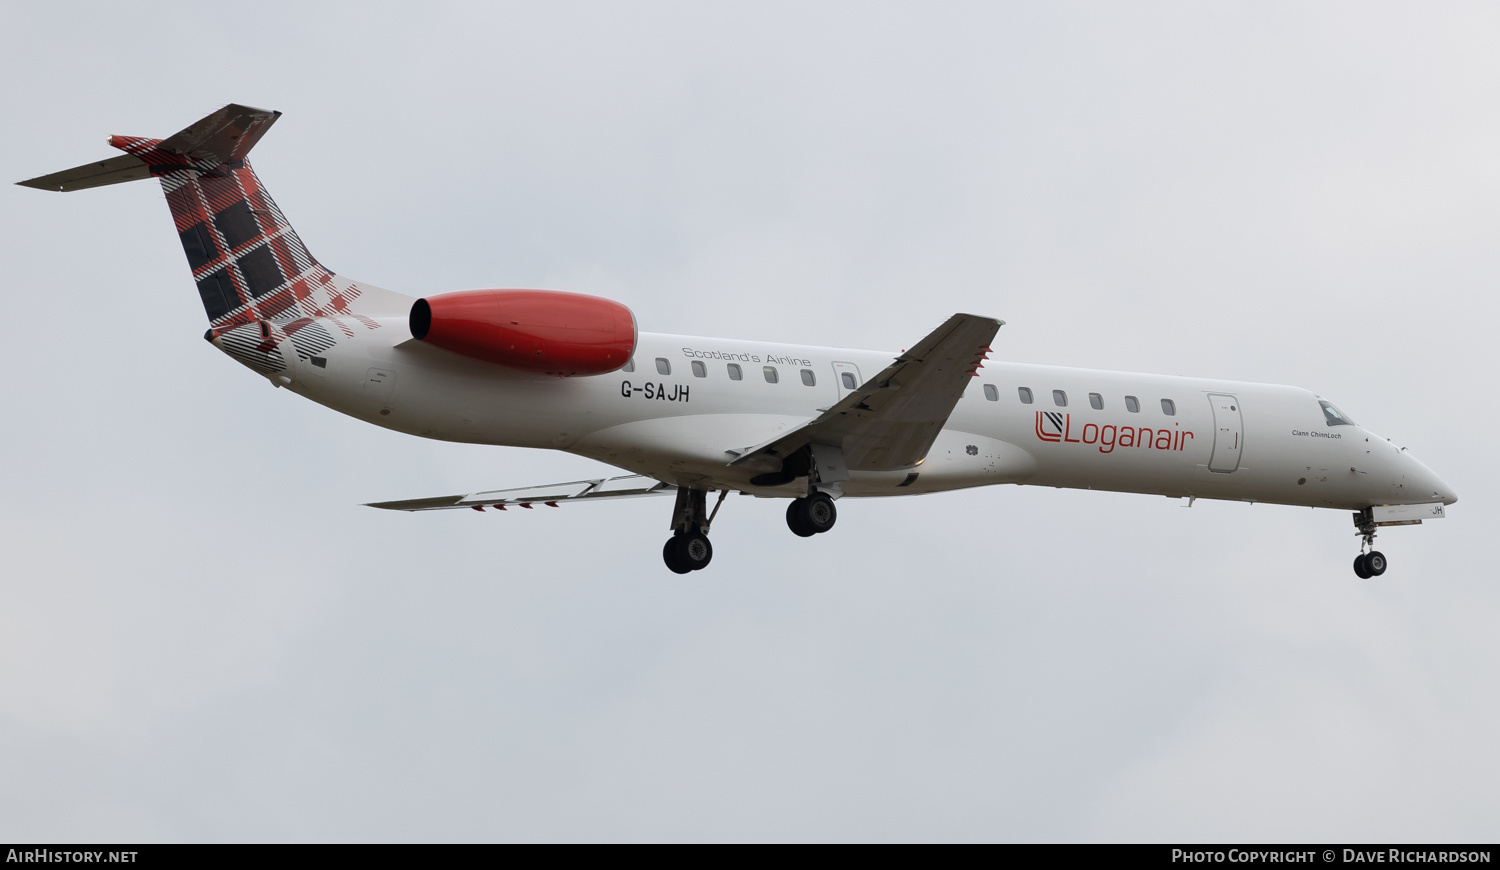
x=249, y=264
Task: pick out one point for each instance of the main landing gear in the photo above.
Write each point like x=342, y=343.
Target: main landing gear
x=686, y=552
x=689, y=549
x=1372, y=563
x=811, y=515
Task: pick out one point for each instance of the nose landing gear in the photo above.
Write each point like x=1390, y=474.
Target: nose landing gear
x=1372, y=563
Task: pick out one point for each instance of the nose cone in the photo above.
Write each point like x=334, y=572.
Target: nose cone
x=1422, y=481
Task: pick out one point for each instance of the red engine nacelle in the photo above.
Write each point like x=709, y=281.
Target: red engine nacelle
x=537, y=330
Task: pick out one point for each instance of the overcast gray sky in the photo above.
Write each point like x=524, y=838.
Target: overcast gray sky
x=204, y=637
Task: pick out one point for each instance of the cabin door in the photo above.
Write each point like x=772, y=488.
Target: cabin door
x=1229, y=433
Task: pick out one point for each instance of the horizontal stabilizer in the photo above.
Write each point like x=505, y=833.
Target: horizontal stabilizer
x=222, y=137
x=126, y=167
x=629, y=486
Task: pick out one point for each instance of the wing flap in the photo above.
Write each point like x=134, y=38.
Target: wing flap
x=523, y=494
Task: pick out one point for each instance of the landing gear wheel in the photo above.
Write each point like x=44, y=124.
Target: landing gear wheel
x=690, y=552
x=1375, y=563
x=671, y=554
x=695, y=551
x=1360, y=569
x=795, y=522
x=818, y=512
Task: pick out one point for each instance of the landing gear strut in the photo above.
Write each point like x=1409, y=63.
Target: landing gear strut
x=811, y=515
x=689, y=549
x=1370, y=562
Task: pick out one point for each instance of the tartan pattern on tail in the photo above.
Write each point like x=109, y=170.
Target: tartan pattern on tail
x=253, y=345
x=248, y=262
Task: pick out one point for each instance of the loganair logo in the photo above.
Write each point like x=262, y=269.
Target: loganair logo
x=1057, y=427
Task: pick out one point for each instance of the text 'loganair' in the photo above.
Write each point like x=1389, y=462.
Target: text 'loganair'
x=1058, y=427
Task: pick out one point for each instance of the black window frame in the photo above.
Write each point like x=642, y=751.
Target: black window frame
x=1332, y=413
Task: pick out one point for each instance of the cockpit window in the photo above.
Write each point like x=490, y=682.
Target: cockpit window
x=1334, y=416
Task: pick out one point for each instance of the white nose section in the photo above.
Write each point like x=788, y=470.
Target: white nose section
x=1427, y=484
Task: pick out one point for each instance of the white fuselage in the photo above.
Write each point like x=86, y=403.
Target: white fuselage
x=684, y=427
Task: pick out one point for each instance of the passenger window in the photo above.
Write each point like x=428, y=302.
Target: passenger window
x=808, y=378
x=663, y=367
x=849, y=383
x=1168, y=407
x=1334, y=416
x=992, y=392
x=771, y=376
x=1096, y=401
x=1132, y=404
x=1060, y=398
x=699, y=369
x=734, y=372
x=1025, y=393
x=629, y=365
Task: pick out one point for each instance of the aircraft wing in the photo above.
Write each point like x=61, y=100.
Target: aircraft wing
x=891, y=421
x=628, y=486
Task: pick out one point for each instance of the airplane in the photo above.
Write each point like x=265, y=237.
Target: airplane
x=689, y=416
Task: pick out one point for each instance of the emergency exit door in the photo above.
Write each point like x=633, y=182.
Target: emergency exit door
x=846, y=376
x=1229, y=433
